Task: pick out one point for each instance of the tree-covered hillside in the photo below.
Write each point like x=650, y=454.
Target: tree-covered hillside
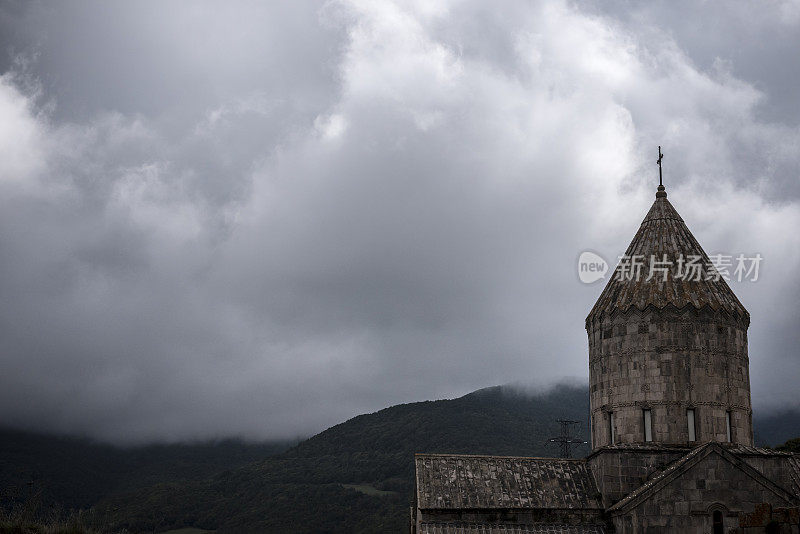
x=358, y=476
x=71, y=472
x=354, y=477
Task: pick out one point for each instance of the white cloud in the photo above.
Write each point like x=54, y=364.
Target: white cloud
x=331, y=126
x=21, y=138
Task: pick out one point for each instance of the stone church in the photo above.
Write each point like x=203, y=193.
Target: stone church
x=670, y=419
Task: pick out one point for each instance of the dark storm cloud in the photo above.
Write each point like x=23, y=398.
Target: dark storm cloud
x=238, y=219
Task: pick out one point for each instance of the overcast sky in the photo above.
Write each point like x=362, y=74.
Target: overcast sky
x=260, y=219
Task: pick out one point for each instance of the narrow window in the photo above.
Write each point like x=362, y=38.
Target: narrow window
x=719, y=526
x=728, y=425
x=611, y=433
x=648, y=424
x=690, y=423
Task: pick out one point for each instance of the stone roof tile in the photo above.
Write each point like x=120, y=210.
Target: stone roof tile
x=446, y=481
x=661, y=233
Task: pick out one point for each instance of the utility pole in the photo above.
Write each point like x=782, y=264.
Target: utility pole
x=564, y=440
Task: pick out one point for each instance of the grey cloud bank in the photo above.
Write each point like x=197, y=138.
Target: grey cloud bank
x=260, y=220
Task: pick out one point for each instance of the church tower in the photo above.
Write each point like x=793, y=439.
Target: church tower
x=668, y=357
x=671, y=426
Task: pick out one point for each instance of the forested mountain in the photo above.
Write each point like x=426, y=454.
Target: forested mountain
x=76, y=472
x=354, y=477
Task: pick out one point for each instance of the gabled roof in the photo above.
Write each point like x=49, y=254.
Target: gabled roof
x=458, y=527
x=790, y=462
x=682, y=465
x=663, y=232
x=448, y=481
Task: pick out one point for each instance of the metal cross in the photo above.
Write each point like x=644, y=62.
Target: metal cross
x=660, y=157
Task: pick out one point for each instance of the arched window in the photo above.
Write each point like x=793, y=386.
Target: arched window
x=719, y=526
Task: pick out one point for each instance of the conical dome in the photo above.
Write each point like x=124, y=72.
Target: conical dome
x=664, y=235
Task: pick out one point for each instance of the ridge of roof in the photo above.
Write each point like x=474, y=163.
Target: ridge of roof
x=746, y=450
x=640, y=447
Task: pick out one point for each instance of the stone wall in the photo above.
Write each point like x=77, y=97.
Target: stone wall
x=687, y=504
x=781, y=467
x=768, y=520
x=512, y=516
x=618, y=472
x=669, y=360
